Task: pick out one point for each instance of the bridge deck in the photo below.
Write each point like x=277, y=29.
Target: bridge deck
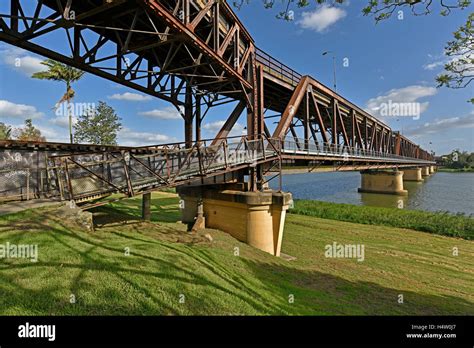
x=91, y=175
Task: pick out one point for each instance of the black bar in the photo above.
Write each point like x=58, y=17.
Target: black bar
x=244, y=330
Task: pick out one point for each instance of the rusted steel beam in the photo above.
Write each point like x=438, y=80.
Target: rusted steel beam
x=229, y=123
x=343, y=127
x=319, y=119
x=260, y=92
x=295, y=136
x=195, y=40
x=313, y=133
x=334, y=135
x=373, y=136
x=188, y=117
x=291, y=108
x=359, y=135
x=195, y=22
x=397, y=144
x=306, y=122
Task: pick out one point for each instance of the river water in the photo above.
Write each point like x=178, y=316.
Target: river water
x=452, y=192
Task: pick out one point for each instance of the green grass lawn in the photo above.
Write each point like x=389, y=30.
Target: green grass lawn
x=166, y=262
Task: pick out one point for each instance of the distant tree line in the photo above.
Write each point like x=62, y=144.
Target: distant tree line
x=26, y=133
x=99, y=126
x=458, y=160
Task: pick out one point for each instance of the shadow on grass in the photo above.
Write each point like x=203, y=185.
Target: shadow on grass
x=160, y=271
x=127, y=272
x=317, y=293
x=314, y=293
x=162, y=210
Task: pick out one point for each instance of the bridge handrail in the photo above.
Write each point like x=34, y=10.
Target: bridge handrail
x=291, y=145
x=277, y=68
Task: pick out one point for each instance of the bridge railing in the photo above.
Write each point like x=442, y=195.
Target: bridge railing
x=299, y=147
x=85, y=176
x=277, y=68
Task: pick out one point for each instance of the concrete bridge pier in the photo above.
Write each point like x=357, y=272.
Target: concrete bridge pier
x=432, y=169
x=413, y=174
x=255, y=218
x=425, y=171
x=383, y=181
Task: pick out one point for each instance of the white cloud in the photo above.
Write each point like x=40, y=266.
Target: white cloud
x=409, y=94
x=167, y=113
x=54, y=135
x=63, y=121
x=21, y=60
x=127, y=96
x=22, y=111
x=442, y=124
x=434, y=65
x=129, y=137
x=214, y=127
x=321, y=18
x=461, y=62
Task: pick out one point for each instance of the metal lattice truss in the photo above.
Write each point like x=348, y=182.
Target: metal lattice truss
x=326, y=117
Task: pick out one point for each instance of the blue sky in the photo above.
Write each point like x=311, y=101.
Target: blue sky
x=394, y=60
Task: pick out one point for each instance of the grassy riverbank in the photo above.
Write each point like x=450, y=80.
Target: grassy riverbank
x=171, y=272
x=439, y=223
x=456, y=170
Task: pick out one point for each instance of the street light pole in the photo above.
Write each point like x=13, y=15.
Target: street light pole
x=333, y=67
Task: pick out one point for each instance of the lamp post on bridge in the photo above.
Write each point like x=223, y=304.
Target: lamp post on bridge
x=333, y=67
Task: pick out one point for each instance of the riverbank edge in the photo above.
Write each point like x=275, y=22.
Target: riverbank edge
x=455, y=170
x=441, y=223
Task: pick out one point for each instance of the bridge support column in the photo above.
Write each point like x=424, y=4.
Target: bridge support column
x=432, y=169
x=425, y=171
x=255, y=218
x=146, y=204
x=388, y=182
x=412, y=174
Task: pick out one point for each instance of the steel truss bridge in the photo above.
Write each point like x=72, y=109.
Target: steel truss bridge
x=197, y=55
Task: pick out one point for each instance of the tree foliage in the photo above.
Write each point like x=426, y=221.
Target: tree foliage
x=459, y=159
x=61, y=73
x=29, y=133
x=98, y=126
x=5, y=131
x=459, y=71
x=383, y=9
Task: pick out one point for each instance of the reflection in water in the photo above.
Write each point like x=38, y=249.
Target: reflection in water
x=453, y=192
x=379, y=200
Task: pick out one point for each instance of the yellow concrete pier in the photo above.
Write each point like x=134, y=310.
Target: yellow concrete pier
x=256, y=218
x=413, y=174
x=388, y=182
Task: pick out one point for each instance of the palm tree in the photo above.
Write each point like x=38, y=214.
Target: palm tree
x=62, y=73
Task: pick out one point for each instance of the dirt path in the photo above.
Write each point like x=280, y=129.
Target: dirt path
x=15, y=207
